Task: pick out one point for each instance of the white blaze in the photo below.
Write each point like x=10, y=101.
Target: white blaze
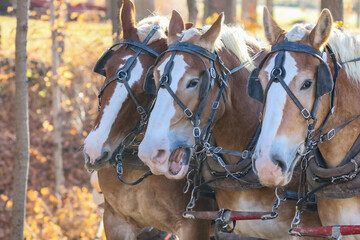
x=98, y=136
x=159, y=122
x=274, y=111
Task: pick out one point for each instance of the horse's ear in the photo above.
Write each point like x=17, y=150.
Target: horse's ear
x=321, y=32
x=176, y=26
x=272, y=30
x=188, y=25
x=214, y=31
x=128, y=20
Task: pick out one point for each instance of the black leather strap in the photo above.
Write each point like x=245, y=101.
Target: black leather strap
x=295, y=47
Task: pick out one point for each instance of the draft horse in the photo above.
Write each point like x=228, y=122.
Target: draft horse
x=309, y=84
x=188, y=78
x=154, y=202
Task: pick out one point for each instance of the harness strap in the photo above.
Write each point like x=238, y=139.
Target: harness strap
x=296, y=47
x=141, y=46
x=331, y=133
x=191, y=48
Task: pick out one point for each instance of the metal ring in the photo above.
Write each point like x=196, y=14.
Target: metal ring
x=276, y=69
x=122, y=75
x=164, y=79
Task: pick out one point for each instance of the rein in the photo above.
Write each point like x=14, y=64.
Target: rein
x=122, y=75
x=314, y=137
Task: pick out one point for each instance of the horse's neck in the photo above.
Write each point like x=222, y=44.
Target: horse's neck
x=236, y=127
x=347, y=98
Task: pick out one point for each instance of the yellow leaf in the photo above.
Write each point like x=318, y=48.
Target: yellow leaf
x=9, y=204
x=73, y=131
x=45, y=124
x=42, y=93
x=4, y=197
x=59, y=38
x=32, y=195
x=50, y=128
x=68, y=75
x=45, y=191
x=338, y=24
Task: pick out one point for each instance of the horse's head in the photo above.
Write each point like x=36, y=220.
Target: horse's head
x=169, y=135
x=289, y=81
x=125, y=70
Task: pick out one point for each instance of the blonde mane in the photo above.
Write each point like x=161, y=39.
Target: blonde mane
x=345, y=47
x=145, y=26
x=233, y=38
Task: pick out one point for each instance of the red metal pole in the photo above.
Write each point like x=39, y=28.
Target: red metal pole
x=234, y=215
x=326, y=230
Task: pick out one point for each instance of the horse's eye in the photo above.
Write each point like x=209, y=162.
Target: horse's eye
x=193, y=83
x=306, y=84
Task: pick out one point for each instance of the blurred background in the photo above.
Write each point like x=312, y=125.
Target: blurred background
x=63, y=46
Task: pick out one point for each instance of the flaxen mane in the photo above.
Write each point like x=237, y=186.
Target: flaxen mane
x=146, y=25
x=345, y=47
x=233, y=38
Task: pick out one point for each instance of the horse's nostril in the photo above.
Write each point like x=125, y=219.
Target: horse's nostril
x=280, y=162
x=103, y=156
x=160, y=153
x=86, y=156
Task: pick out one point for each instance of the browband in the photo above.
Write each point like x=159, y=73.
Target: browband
x=191, y=48
x=141, y=46
x=296, y=47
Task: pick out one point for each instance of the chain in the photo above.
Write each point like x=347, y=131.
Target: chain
x=277, y=201
x=296, y=220
x=192, y=201
x=188, y=181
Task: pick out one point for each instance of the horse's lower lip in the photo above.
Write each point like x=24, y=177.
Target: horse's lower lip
x=178, y=159
x=99, y=162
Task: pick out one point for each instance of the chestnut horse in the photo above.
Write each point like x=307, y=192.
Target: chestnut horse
x=155, y=202
x=169, y=133
x=307, y=114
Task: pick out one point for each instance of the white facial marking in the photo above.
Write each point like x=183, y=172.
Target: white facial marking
x=160, y=118
x=97, y=137
x=275, y=103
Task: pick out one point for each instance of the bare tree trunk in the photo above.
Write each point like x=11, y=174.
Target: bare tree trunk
x=358, y=13
x=108, y=8
x=193, y=10
x=21, y=170
x=115, y=19
x=270, y=6
x=216, y=6
x=336, y=8
x=55, y=59
x=144, y=8
x=248, y=10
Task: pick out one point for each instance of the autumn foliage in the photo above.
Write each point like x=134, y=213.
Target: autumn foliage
x=73, y=216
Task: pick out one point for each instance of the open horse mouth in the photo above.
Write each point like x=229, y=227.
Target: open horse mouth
x=179, y=158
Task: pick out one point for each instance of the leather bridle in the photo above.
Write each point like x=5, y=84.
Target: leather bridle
x=202, y=137
x=123, y=75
